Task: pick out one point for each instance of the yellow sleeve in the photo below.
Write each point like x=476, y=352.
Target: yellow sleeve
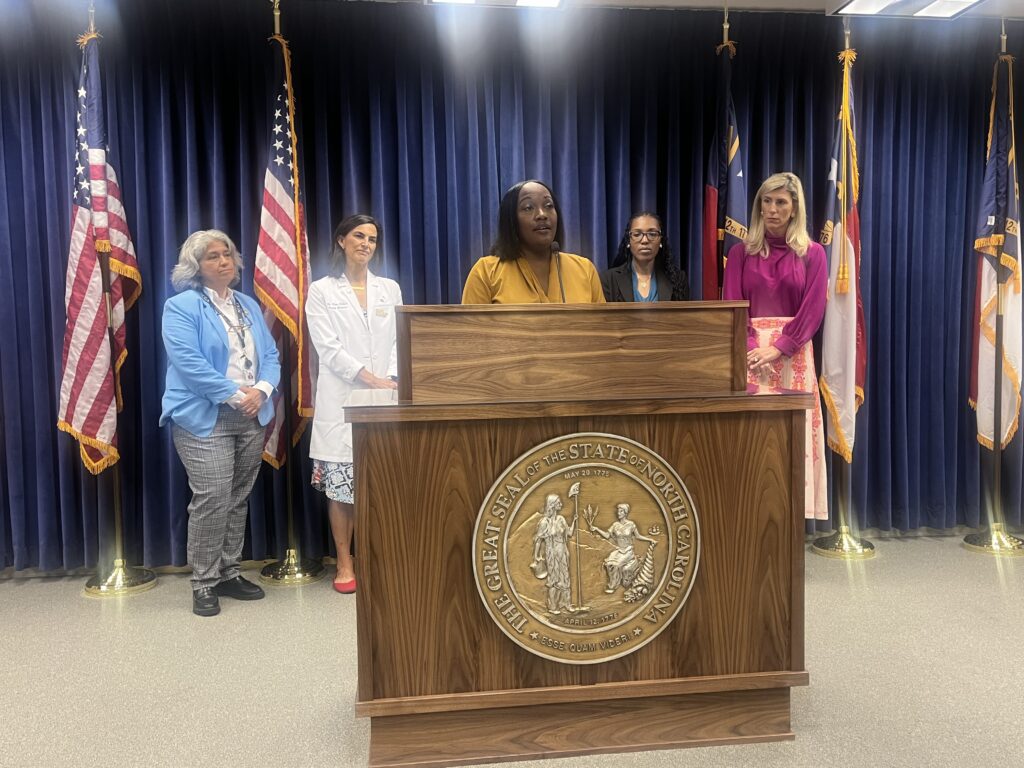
x=478, y=289
x=596, y=289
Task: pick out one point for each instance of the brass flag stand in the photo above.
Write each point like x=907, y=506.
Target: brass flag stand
x=994, y=540
x=292, y=569
x=119, y=579
x=843, y=544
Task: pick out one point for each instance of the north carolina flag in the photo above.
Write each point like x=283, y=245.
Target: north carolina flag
x=725, y=191
x=998, y=248
x=844, y=344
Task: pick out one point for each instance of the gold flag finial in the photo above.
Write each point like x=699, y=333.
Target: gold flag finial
x=90, y=33
x=727, y=44
x=277, y=17
x=1002, y=37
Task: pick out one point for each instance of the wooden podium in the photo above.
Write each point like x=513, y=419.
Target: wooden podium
x=482, y=385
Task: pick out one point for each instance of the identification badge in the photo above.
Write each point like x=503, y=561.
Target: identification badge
x=381, y=312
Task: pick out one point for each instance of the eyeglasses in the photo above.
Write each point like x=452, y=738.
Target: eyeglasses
x=651, y=234
x=216, y=256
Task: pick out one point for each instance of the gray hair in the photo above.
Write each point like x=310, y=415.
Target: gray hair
x=185, y=274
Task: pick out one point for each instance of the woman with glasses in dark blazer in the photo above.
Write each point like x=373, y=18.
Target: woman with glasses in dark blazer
x=643, y=269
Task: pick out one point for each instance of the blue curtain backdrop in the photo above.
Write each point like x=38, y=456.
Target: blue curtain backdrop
x=422, y=116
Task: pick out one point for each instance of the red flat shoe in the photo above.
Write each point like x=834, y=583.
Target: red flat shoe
x=345, y=587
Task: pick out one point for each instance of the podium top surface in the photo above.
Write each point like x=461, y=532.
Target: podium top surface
x=658, y=306
x=383, y=406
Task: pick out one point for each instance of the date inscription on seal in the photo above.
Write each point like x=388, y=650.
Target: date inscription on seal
x=586, y=548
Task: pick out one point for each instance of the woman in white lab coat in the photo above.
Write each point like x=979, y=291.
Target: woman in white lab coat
x=351, y=319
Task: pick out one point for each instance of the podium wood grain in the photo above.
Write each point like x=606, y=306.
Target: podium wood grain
x=580, y=728
x=534, y=352
x=480, y=386
x=420, y=612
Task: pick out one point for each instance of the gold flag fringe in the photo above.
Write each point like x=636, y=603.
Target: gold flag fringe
x=110, y=457
x=84, y=38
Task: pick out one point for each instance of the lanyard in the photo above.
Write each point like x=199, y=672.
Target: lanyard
x=238, y=326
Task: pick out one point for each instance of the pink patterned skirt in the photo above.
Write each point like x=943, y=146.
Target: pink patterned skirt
x=797, y=372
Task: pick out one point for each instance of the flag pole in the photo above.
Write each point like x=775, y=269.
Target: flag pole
x=118, y=579
x=994, y=540
x=293, y=569
x=729, y=47
x=843, y=544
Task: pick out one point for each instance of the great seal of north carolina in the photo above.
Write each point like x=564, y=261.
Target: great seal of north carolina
x=586, y=548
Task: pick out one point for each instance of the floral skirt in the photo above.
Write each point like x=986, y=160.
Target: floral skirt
x=797, y=372
x=335, y=479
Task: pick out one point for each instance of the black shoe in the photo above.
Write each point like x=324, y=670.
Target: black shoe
x=239, y=588
x=205, y=602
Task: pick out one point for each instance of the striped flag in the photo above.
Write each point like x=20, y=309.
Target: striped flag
x=282, y=272
x=90, y=392
x=725, y=191
x=844, y=344
x=998, y=248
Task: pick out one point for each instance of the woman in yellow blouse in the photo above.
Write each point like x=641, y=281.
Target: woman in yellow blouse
x=526, y=266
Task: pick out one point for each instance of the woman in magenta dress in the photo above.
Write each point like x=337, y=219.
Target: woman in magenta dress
x=784, y=276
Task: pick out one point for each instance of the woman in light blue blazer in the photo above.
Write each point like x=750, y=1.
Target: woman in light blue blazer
x=222, y=368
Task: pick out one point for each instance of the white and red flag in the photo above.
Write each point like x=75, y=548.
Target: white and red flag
x=282, y=273
x=90, y=392
x=844, y=343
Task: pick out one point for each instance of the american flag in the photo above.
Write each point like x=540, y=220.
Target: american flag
x=282, y=268
x=90, y=393
x=844, y=340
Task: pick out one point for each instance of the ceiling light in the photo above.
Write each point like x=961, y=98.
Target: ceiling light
x=946, y=9
x=941, y=9
x=865, y=7
x=537, y=3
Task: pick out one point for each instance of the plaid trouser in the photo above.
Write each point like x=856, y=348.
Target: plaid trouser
x=221, y=471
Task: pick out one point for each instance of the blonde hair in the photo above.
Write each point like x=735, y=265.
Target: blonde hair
x=796, y=233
